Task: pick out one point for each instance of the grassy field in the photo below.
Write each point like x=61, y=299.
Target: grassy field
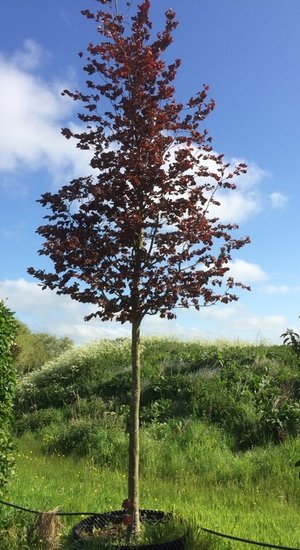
x=267, y=510
x=219, y=441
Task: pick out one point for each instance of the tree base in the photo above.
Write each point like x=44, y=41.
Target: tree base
x=108, y=530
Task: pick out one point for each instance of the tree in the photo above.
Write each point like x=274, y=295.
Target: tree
x=139, y=235
x=8, y=328
x=35, y=349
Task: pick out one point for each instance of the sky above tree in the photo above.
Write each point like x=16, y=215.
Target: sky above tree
x=248, y=53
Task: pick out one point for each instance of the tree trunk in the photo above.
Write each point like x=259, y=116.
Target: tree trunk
x=134, y=427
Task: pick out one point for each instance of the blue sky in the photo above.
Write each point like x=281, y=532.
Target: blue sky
x=248, y=52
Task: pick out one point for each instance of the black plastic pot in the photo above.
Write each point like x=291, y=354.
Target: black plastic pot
x=88, y=525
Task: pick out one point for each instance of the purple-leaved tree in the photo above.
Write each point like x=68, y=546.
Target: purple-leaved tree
x=140, y=235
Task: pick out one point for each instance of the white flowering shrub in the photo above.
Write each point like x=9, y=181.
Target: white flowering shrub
x=78, y=373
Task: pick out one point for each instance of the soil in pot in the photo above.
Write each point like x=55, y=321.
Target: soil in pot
x=160, y=531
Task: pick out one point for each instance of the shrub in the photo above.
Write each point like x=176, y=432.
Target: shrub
x=117, y=387
x=105, y=443
x=79, y=372
x=92, y=408
x=36, y=420
x=8, y=328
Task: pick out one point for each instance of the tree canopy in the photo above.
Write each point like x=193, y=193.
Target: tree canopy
x=137, y=235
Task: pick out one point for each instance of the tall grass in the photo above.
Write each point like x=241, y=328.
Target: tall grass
x=257, y=498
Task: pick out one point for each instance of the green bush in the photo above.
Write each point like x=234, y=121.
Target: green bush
x=78, y=373
x=8, y=328
x=105, y=443
x=117, y=387
x=36, y=420
x=266, y=399
x=93, y=408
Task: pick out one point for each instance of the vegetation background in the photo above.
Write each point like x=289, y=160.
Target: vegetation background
x=219, y=439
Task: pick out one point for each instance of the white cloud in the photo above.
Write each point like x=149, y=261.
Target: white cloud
x=236, y=207
x=219, y=313
x=246, y=272
x=29, y=57
x=32, y=112
x=278, y=200
x=246, y=200
x=265, y=326
x=280, y=289
x=225, y=322
x=276, y=289
x=45, y=311
x=253, y=177
x=235, y=323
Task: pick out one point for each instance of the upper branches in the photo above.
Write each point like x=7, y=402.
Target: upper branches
x=139, y=235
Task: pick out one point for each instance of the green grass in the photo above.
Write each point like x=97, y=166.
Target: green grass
x=219, y=441
x=266, y=510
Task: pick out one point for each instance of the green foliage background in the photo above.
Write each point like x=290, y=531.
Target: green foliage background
x=219, y=439
x=8, y=328
x=35, y=349
x=80, y=401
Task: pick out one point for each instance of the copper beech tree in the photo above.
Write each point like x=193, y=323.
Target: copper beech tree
x=140, y=235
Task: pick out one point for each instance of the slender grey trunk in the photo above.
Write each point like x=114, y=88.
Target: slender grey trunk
x=134, y=428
